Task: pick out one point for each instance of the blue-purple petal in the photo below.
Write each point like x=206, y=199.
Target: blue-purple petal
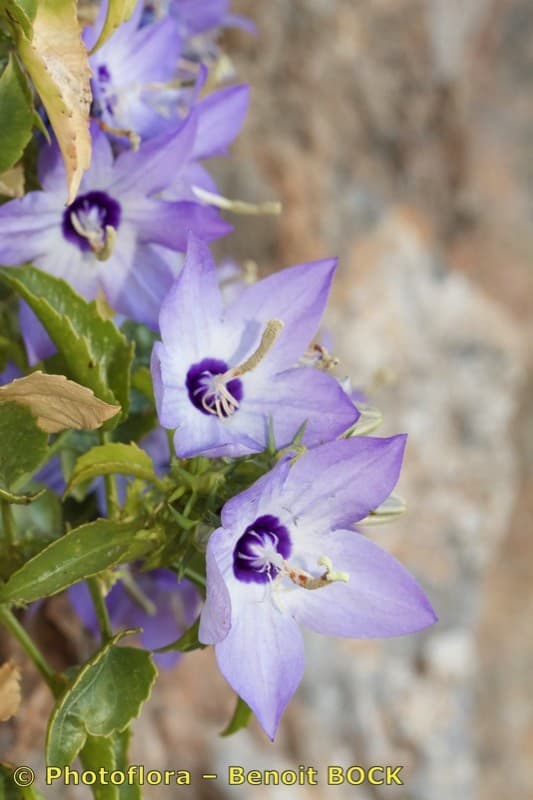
x=356, y=476
x=262, y=658
x=380, y=599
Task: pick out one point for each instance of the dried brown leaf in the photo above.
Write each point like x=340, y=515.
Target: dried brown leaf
x=58, y=64
x=58, y=403
x=10, y=696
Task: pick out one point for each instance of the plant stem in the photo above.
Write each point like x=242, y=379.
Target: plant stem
x=102, y=615
x=8, y=523
x=111, y=491
x=15, y=628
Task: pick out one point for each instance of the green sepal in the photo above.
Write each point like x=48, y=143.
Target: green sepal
x=240, y=719
x=186, y=643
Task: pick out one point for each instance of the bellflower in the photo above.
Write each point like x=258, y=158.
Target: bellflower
x=155, y=601
x=134, y=87
x=225, y=378
x=195, y=18
x=117, y=237
x=132, y=70
x=285, y=556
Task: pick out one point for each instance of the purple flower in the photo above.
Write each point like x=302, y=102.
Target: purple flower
x=154, y=601
x=284, y=557
x=225, y=378
x=134, y=77
x=131, y=70
x=196, y=17
x=117, y=237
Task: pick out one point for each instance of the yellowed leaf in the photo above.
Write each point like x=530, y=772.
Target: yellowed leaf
x=58, y=403
x=9, y=690
x=58, y=64
x=12, y=182
x=118, y=11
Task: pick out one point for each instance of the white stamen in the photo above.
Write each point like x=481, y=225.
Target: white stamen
x=87, y=224
x=225, y=404
x=307, y=581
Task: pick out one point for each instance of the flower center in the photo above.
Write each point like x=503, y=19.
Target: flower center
x=260, y=553
x=215, y=388
x=208, y=390
x=91, y=222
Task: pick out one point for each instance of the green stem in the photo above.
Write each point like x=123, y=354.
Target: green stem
x=111, y=491
x=8, y=523
x=15, y=628
x=102, y=615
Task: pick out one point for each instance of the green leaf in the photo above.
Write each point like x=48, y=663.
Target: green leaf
x=22, y=444
x=121, y=743
x=77, y=555
x=58, y=64
x=21, y=12
x=9, y=789
x=95, y=352
x=98, y=753
x=241, y=717
x=105, y=696
x=186, y=643
x=142, y=381
x=118, y=11
x=111, y=753
x=112, y=459
x=16, y=113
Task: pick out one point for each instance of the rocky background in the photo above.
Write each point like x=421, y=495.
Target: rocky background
x=398, y=135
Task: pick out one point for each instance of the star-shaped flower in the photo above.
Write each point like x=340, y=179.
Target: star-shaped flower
x=118, y=236
x=225, y=378
x=285, y=556
x=155, y=601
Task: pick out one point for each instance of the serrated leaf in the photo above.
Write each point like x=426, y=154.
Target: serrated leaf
x=9, y=690
x=22, y=444
x=95, y=352
x=112, y=459
x=58, y=64
x=104, y=697
x=186, y=643
x=16, y=113
x=118, y=11
x=57, y=403
x=241, y=717
x=79, y=554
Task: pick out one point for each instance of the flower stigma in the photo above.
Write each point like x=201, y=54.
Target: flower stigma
x=91, y=223
x=215, y=389
x=262, y=555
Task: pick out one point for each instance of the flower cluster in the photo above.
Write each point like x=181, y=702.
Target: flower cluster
x=253, y=471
